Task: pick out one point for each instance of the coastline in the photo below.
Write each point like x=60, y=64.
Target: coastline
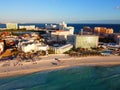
x=48, y=63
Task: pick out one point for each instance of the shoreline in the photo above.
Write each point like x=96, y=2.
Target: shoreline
x=66, y=62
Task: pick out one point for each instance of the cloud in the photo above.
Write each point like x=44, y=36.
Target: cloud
x=117, y=7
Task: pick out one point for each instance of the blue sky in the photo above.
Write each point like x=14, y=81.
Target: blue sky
x=71, y=11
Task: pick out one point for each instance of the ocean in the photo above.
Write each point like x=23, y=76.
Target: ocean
x=76, y=78
x=77, y=27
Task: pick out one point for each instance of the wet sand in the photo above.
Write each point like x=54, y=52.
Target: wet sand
x=49, y=63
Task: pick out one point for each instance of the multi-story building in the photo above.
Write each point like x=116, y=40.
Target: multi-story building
x=29, y=47
x=50, y=26
x=62, y=26
x=28, y=27
x=83, y=41
x=59, y=35
x=12, y=26
x=103, y=30
x=63, y=32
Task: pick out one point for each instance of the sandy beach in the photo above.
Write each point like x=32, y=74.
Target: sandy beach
x=46, y=63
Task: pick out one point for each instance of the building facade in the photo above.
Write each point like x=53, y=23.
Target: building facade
x=29, y=27
x=62, y=26
x=62, y=49
x=12, y=26
x=83, y=41
x=103, y=30
x=50, y=26
x=28, y=47
x=63, y=32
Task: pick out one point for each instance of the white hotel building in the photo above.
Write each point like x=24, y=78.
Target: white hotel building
x=28, y=27
x=63, y=32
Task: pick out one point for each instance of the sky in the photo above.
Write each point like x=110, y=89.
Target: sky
x=53, y=11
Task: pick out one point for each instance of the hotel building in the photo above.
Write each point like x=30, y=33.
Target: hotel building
x=12, y=26
x=63, y=32
x=28, y=27
x=83, y=41
x=103, y=30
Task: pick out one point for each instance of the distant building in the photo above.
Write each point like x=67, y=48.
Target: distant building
x=62, y=26
x=63, y=32
x=12, y=26
x=103, y=30
x=83, y=41
x=28, y=27
x=86, y=31
x=50, y=26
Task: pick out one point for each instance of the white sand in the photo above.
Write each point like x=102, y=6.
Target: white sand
x=48, y=63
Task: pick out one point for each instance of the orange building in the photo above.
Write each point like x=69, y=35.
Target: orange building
x=103, y=30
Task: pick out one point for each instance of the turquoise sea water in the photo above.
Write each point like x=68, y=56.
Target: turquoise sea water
x=78, y=78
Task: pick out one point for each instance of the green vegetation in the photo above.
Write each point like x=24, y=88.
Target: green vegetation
x=84, y=52
x=107, y=39
x=50, y=51
x=8, y=53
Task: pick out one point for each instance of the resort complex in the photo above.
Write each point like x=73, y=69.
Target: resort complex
x=59, y=44
x=21, y=44
x=55, y=39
